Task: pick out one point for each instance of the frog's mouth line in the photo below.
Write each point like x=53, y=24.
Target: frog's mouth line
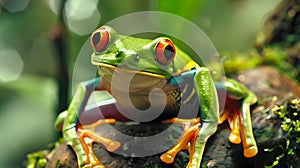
x=101, y=64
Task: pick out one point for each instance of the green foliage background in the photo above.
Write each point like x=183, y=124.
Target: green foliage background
x=28, y=103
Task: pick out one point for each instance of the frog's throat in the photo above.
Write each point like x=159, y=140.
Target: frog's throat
x=101, y=64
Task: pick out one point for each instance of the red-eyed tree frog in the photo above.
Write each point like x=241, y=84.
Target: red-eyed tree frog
x=159, y=68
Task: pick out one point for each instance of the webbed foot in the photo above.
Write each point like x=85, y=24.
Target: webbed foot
x=187, y=140
x=87, y=137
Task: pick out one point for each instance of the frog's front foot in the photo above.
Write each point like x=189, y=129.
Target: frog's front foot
x=87, y=136
x=187, y=140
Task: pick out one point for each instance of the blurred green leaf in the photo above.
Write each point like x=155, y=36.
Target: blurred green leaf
x=27, y=117
x=187, y=9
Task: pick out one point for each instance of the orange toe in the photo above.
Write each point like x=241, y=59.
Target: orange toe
x=113, y=146
x=167, y=158
x=251, y=151
x=235, y=137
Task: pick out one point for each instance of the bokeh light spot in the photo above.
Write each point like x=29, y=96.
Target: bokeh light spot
x=11, y=65
x=15, y=5
x=82, y=17
x=53, y=5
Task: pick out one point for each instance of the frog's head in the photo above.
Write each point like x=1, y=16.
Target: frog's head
x=151, y=57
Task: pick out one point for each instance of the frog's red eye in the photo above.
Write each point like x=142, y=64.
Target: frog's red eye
x=99, y=39
x=165, y=51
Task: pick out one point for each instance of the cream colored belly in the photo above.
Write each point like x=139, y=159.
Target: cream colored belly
x=127, y=85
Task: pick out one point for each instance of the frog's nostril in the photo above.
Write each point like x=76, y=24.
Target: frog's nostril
x=120, y=54
x=137, y=58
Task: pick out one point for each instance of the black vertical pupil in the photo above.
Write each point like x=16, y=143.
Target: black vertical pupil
x=169, y=52
x=96, y=38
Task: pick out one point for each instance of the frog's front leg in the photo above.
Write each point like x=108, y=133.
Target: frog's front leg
x=77, y=136
x=237, y=112
x=196, y=134
x=209, y=115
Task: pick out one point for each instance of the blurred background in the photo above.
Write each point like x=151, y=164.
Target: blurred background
x=39, y=45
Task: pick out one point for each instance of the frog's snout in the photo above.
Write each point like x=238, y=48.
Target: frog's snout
x=130, y=57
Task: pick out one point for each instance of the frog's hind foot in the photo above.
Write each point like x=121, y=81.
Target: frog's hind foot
x=187, y=140
x=238, y=116
x=87, y=136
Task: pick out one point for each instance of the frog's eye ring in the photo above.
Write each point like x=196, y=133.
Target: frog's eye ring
x=165, y=51
x=100, y=39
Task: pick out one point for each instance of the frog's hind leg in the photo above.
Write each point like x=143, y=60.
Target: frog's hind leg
x=245, y=98
x=250, y=147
